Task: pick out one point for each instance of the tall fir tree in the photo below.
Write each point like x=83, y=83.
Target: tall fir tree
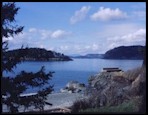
x=13, y=87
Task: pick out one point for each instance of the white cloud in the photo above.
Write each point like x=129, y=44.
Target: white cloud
x=139, y=35
x=41, y=46
x=45, y=34
x=51, y=48
x=140, y=6
x=64, y=48
x=136, y=38
x=59, y=34
x=80, y=49
x=79, y=14
x=106, y=14
x=87, y=47
x=112, y=30
x=91, y=48
x=17, y=38
x=95, y=47
x=140, y=13
x=35, y=37
x=61, y=49
x=9, y=38
x=32, y=30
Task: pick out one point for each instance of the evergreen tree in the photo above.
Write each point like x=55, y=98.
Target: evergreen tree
x=13, y=87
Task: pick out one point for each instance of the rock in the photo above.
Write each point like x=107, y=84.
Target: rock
x=109, y=86
x=136, y=82
x=90, y=79
x=114, y=88
x=70, y=91
x=125, y=89
x=120, y=79
x=73, y=87
x=64, y=90
x=135, y=88
x=102, y=100
x=71, y=83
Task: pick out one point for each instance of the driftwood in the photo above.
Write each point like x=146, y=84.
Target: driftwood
x=61, y=110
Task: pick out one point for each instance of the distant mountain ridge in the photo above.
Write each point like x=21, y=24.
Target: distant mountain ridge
x=126, y=52
x=37, y=54
x=121, y=52
x=89, y=56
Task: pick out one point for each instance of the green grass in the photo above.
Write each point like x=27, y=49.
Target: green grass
x=126, y=107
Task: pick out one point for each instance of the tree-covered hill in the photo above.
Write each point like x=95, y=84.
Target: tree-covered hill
x=37, y=54
x=126, y=52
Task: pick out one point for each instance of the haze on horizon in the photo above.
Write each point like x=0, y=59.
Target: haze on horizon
x=80, y=27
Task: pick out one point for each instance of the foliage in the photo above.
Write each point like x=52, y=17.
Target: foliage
x=91, y=102
x=37, y=54
x=13, y=87
x=132, y=74
x=126, y=52
x=9, y=11
x=91, y=105
x=126, y=107
x=80, y=105
x=132, y=100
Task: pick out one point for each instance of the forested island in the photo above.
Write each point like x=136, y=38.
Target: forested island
x=40, y=54
x=121, y=52
x=37, y=54
x=125, y=52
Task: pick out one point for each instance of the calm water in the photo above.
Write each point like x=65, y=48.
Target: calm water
x=78, y=69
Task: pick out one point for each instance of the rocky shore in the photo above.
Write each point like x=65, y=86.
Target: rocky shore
x=111, y=88
x=73, y=87
x=58, y=101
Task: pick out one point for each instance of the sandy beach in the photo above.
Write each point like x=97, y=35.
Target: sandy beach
x=58, y=100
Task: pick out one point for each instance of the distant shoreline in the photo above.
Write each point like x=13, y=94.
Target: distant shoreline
x=103, y=58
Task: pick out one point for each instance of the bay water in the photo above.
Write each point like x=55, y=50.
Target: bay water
x=77, y=70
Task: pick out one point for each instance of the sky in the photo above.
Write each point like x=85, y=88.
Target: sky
x=80, y=27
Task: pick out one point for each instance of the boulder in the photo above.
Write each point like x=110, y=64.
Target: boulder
x=136, y=86
x=109, y=86
x=73, y=87
x=64, y=90
x=72, y=84
x=114, y=88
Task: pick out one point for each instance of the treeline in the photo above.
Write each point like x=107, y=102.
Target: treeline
x=126, y=52
x=37, y=54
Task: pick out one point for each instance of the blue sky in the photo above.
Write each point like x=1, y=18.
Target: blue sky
x=80, y=27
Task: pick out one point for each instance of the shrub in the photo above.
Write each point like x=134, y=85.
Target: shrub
x=80, y=105
x=132, y=74
x=92, y=101
x=126, y=107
